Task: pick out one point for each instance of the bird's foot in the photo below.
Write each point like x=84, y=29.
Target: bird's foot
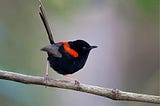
x=77, y=83
x=46, y=79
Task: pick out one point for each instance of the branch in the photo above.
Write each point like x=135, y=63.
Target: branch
x=114, y=94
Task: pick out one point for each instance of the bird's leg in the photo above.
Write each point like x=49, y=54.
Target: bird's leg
x=46, y=77
x=73, y=79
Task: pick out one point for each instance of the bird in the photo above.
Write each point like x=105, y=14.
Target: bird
x=66, y=57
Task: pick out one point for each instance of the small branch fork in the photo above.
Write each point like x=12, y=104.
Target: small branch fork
x=114, y=94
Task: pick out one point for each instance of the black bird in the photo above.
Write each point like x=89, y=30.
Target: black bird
x=64, y=57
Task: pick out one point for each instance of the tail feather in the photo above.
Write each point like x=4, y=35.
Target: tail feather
x=45, y=22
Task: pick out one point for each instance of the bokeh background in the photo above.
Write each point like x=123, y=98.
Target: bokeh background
x=127, y=57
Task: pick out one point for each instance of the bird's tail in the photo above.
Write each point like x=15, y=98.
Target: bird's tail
x=45, y=22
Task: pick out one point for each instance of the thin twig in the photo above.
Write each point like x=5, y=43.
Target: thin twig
x=114, y=94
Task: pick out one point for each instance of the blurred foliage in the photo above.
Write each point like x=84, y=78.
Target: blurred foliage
x=149, y=6
x=64, y=7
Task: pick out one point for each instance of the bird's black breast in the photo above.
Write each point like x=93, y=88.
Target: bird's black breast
x=67, y=64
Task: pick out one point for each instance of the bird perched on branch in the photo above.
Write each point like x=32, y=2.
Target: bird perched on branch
x=64, y=57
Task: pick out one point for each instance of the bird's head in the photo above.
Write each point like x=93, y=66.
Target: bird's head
x=81, y=46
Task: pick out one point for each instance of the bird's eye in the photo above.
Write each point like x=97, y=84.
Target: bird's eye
x=84, y=48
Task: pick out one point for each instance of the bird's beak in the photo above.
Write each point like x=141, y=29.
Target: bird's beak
x=92, y=47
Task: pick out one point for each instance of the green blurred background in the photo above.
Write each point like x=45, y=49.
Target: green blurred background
x=127, y=57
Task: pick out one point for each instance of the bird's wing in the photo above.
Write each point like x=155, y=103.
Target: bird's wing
x=53, y=49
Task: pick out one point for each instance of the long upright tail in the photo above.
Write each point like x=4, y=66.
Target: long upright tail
x=45, y=22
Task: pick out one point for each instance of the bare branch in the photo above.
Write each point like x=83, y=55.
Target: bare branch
x=114, y=94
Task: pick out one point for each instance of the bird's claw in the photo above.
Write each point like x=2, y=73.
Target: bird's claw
x=46, y=79
x=77, y=83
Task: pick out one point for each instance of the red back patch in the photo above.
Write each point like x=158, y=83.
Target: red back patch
x=67, y=49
